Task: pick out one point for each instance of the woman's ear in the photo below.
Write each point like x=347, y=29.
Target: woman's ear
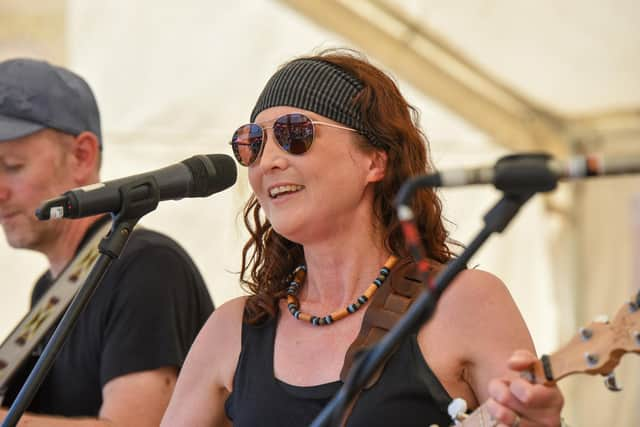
x=378, y=165
x=85, y=156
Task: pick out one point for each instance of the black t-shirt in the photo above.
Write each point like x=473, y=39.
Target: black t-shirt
x=144, y=315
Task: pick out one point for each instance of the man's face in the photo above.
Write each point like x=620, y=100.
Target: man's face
x=32, y=169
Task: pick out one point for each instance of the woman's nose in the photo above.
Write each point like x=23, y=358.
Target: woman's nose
x=272, y=156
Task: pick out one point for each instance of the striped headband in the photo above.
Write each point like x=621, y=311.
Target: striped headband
x=318, y=86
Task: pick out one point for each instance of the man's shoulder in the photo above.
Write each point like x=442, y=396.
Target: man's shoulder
x=152, y=255
x=148, y=241
x=154, y=267
x=145, y=237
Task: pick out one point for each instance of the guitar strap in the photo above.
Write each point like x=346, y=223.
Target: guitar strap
x=387, y=306
x=40, y=320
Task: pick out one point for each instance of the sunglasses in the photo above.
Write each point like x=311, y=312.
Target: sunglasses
x=293, y=132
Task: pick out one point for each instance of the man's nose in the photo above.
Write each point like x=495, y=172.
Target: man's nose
x=4, y=189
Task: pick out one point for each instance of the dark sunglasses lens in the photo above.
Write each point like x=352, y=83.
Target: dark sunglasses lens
x=294, y=133
x=246, y=143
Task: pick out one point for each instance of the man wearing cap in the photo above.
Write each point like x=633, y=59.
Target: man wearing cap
x=120, y=362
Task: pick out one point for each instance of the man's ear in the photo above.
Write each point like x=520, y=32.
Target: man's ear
x=85, y=157
x=378, y=165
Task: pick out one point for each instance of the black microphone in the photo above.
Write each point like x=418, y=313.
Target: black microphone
x=533, y=172
x=197, y=176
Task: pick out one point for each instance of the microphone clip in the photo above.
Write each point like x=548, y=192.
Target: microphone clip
x=138, y=197
x=524, y=173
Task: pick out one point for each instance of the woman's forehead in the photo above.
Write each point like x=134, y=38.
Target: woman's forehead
x=270, y=115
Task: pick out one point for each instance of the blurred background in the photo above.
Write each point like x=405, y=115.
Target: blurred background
x=490, y=77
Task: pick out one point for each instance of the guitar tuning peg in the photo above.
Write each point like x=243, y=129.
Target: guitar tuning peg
x=585, y=333
x=591, y=358
x=611, y=383
x=601, y=318
x=457, y=410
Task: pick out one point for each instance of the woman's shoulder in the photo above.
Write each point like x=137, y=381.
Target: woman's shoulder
x=231, y=309
x=473, y=286
x=220, y=339
x=225, y=323
x=484, y=306
x=478, y=302
x=206, y=378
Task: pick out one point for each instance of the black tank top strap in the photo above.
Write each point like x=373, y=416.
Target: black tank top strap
x=425, y=376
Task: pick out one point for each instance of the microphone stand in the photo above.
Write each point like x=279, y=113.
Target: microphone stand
x=421, y=310
x=133, y=207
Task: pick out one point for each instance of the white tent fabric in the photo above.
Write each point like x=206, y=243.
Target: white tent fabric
x=175, y=79
x=574, y=56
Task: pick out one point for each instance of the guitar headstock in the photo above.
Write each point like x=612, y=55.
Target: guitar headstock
x=596, y=349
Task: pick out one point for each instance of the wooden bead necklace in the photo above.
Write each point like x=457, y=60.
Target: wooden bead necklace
x=298, y=279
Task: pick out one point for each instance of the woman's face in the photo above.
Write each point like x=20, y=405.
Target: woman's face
x=323, y=191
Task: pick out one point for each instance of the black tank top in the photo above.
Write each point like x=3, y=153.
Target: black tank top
x=408, y=393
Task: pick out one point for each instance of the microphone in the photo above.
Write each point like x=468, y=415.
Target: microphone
x=529, y=172
x=517, y=171
x=197, y=176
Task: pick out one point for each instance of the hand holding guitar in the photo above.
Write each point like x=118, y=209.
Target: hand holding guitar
x=533, y=400
x=517, y=402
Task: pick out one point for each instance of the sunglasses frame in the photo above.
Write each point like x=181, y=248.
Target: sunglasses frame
x=235, y=144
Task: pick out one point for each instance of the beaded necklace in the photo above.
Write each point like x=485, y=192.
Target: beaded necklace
x=298, y=279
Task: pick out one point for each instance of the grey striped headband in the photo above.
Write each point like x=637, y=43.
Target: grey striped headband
x=318, y=86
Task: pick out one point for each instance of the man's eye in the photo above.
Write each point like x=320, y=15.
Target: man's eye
x=15, y=167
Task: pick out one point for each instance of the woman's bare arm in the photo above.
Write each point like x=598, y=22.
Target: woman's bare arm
x=205, y=380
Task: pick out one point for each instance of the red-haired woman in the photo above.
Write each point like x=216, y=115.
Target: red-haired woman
x=331, y=140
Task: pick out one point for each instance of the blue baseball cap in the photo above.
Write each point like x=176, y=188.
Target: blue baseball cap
x=35, y=95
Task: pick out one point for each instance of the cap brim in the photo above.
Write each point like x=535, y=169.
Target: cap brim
x=12, y=128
